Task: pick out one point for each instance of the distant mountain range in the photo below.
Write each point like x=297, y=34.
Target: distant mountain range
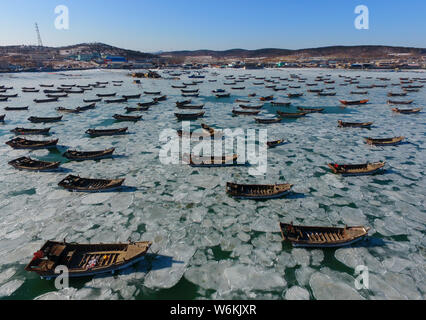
x=332, y=51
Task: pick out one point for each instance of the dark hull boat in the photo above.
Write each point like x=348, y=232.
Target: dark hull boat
x=2, y=117
x=88, y=155
x=188, y=106
x=244, y=106
x=24, y=131
x=92, y=100
x=134, y=109
x=291, y=115
x=84, y=260
x=156, y=93
x=120, y=117
x=182, y=103
x=196, y=161
x=257, y=192
x=394, y=94
x=26, y=163
x=245, y=113
x=277, y=103
x=74, y=183
x=135, y=96
x=400, y=102
x=162, y=98
x=311, y=110
x=294, y=95
x=407, y=111
x=384, y=142
x=273, y=144
x=59, y=95
x=116, y=100
x=355, y=102
x=354, y=124
x=101, y=95
x=20, y=143
x=268, y=120
x=147, y=104
x=189, y=116
x=322, y=237
x=223, y=95
x=61, y=109
x=268, y=98
x=356, y=169
x=46, y=100
x=106, y=132
x=44, y=120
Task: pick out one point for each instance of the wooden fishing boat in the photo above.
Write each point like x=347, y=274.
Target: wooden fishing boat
x=294, y=95
x=354, y=102
x=101, y=95
x=242, y=100
x=268, y=120
x=178, y=86
x=46, y=100
x=268, y=98
x=120, y=117
x=25, y=163
x=58, y=95
x=280, y=89
x=315, y=90
x=384, y=142
x=162, y=98
x=356, y=169
x=311, y=110
x=291, y=115
x=73, y=91
x=84, y=260
x=407, y=111
x=53, y=91
x=116, y=100
x=20, y=143
x=252, y=94
x=106, y=132
x=279, y=103
x=194, y=106
x=190, y=94
x=276, y=143
x=397, y=94
x=8, y=95
x=244, y=106
x=44, y=119
x=2, y=117
x=189, y=91
x=189, y=116
x=197, y=161
x=88, y=107
x=359, y=92
x=88, y=155
x=156, y=93
x=134, y=96
x=182, y=103
x=75, y=183
x=400, y=102
x=46, y=85
x=245, y=113
x=24, y=131
x=62, y=109
x=134, y=109
x=30, y=90
x=354, y=124
x=322, y=237
x=16, y=108
x=223, y=95
x=323, y=94
x=147, y=104
x=257, y=192
x=238, y=88
x=294, y=87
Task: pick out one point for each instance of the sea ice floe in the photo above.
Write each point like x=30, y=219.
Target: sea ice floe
x=10, y=287
x=297, y=293
x=326, y=288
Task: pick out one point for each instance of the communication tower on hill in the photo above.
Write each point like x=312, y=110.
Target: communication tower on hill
x=40, y=43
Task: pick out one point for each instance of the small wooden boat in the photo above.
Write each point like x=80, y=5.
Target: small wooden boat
x=189, y=91
x=323, y=94
x=178, y=86
x=88, y=107
x=197, y=161
x=30, y=90
x=57, y=95
x=291, y=115
x=2, y=117
x=20, y=143
x=384, y=142
x=190, y=94
x=116, y=100
x=354, y=102
x=88, y=155
x=311, y=110
x=84, y=260
x=189, y=116
x=238, y=88
x=75, y=183
x=8, y=95
x=356, y=169
x=245, y=113
x=25, y=163
x=156, y=93
x=194, y=106
x=62, y=109
x=147, y=104
x=223, y=95
x=400, y=102
x=315, y=90
x=407, y=111
x=273, y=144
x=106, y=132
x=322, y=237
x=46, y=85
x=252, y=95
x=257, y=192
x=44, y=119
x=46, y=100
x=268, y=98
x=16, y=108
x=182, y=103
x=101, y=95
x=359, y=92
x=73, y=91
x=244, y=106
x=24, y=131
x=280, y=89
x=397, y=94
x=134, y=109
x=120, y=117
x=268, y=120
x=354, y=124
x=278, y=103
x=294, y=95
x=53, y=91
x=162, y=98
x=134, y=96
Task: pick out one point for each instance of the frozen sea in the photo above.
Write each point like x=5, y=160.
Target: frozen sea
x=208, y=245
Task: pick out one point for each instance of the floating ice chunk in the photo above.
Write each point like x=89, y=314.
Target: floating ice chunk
x=297, y=293
x=303, y=274
x=243, y=236
x=317, y=256
x=393, y=286
x=169, y=267
x=264, y=224
x=352, y=217
x=6, y=275
x=390, y=226
x=326, y=288
x=301, y=256
x=96, y=198
x=209, y=275
x=396, y=264
x=10, y=287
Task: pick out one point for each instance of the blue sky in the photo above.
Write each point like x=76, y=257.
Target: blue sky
x=149, y=25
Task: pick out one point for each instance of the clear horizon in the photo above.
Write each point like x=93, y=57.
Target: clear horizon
x=168, y=25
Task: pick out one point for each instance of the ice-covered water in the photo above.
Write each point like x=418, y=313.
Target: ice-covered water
x=208, y=244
